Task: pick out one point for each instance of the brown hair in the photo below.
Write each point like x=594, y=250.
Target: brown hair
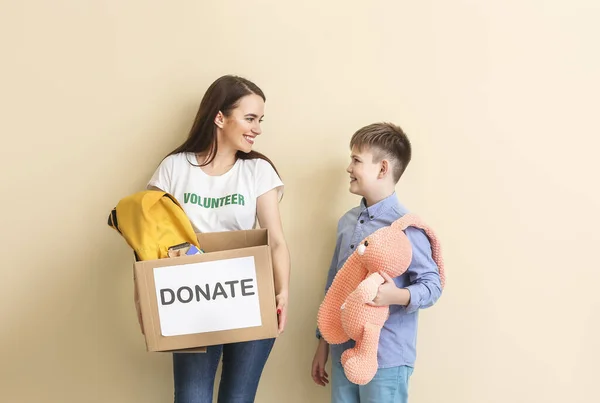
x=223, y=95
x=386, y=141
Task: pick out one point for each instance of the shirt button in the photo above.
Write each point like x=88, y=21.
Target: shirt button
x=362, y=221
x=371, y=217
x=351, y=246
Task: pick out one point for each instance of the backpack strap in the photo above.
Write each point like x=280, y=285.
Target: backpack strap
x=112, y=220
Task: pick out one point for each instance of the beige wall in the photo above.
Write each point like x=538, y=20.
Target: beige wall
x=497, y=96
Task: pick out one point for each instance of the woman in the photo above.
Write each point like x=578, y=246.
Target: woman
x=217, y=161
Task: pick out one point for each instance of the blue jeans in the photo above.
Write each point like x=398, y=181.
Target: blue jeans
x=243, y=363
x=389, y=385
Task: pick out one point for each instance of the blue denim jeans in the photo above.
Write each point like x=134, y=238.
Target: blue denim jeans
x=243, y=363
x=389, y=385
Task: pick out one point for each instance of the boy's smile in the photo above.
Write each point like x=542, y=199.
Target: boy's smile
x=370, y=175
x=363, y=172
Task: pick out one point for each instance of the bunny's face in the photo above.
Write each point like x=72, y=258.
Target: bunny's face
x=379, y=251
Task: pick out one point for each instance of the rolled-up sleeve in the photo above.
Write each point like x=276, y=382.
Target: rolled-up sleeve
x=425, y=285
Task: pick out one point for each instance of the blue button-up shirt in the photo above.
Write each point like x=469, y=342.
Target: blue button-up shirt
x=397, y=342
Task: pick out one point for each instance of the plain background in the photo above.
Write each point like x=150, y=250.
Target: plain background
x=498, y=97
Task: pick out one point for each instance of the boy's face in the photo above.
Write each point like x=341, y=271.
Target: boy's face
x=364, y=173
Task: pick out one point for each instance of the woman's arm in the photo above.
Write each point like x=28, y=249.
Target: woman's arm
x=267, y=208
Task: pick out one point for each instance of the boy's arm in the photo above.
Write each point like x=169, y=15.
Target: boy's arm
x=425, y=287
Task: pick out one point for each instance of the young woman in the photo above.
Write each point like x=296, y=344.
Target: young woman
x=217, y=162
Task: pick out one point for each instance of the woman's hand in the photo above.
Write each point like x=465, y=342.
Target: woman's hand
x=282, y=305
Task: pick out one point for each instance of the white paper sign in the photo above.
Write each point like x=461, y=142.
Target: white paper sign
x=207, y=296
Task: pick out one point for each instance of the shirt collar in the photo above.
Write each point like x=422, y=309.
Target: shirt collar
x=381, y=206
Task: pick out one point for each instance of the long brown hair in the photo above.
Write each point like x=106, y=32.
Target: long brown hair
x=223, y=95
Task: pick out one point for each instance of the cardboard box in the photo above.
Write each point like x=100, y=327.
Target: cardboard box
x=225, y=295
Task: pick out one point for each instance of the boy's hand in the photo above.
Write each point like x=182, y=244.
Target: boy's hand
x=390, y=294
x=319, y=375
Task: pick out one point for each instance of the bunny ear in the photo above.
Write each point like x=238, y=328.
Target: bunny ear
x=411, y=220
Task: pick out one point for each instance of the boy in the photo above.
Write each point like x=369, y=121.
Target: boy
x=380, y=155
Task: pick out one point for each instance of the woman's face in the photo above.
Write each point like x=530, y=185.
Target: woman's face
x=239, y=129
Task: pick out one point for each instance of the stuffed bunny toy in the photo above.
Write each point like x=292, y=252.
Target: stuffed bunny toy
x=344, y=313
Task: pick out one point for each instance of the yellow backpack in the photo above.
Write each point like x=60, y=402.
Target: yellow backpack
x=152, y=221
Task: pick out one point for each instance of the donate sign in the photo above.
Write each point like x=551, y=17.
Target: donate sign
x=207, y=296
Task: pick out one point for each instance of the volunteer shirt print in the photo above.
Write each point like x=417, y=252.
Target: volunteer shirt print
x=216, y=203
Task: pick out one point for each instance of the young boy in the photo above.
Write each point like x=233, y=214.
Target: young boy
x=380, y=154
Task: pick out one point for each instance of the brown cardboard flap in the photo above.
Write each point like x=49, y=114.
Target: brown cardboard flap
x=221, y=241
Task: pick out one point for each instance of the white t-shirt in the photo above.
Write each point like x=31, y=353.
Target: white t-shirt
x=216, y=203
